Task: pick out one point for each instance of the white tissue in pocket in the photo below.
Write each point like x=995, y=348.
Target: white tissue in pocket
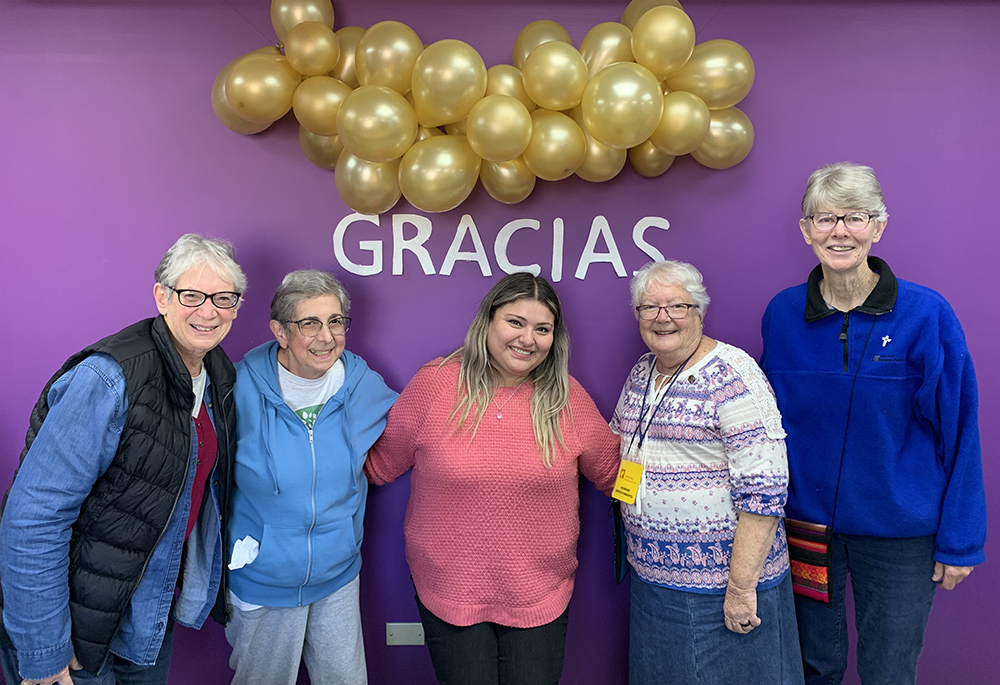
x=244, y=552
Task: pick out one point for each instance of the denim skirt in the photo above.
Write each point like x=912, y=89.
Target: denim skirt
x=680, y=637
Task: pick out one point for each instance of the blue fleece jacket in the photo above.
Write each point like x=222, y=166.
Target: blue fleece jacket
x=889, y=385
x=301, y=493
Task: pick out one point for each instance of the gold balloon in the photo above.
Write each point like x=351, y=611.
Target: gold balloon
x=457, y=128
x=499, y=128
x=367, y=187
x=637, y=8
x=224, y=111
x=555, y=75
x=606, y=44
x=260, y=86
x=322, y=151
x=438, y=173
x=288, y=13
x=600, y=162
x=376, y=124
x=507, y=182
x=663, y=40
x=425, y=132
x=348, y=39
x=683, y=125
x=729, y=140
x=503, y=79
x=316, y=102
x=449, y=78
x=386, y=54
x=622, y=105
x=312, y=48
x=533, y=35
x=557, y=145
x=648, y=160
x=720, y=72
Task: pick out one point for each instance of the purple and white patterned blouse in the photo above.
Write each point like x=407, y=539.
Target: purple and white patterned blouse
x=713, y=447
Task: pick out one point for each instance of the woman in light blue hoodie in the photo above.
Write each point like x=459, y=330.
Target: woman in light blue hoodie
x=307, y=412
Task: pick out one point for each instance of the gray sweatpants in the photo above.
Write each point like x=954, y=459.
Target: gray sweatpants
x=269, y=642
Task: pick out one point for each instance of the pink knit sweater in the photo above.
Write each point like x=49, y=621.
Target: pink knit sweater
x=490, y=531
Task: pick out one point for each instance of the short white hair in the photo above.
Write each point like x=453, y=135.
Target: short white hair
x=670, y=271
x=192, y=250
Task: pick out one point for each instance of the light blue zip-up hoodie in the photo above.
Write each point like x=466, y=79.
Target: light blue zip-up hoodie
x=301, y=493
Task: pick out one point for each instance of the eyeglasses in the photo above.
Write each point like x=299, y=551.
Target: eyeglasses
x=827, y=221
x=648, y=312
x=196, y=298
x=311, y=327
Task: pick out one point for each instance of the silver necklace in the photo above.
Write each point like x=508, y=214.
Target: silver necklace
x=507, y=401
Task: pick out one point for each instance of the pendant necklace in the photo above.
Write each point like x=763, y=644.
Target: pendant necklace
x=506, y=402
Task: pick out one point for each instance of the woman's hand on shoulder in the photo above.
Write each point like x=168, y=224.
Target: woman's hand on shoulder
x=950, y=576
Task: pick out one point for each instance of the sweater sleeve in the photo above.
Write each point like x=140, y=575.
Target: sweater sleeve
x=599, y=458
x=393, y=453
x=948, y=399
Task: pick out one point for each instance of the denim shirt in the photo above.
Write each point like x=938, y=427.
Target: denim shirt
x=76, y=444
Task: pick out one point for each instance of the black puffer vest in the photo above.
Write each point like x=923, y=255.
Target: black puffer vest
x=128, y=509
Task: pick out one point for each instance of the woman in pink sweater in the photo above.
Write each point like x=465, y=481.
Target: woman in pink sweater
x=497, y=434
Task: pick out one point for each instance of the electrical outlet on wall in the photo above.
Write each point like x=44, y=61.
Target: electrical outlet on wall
x=404, y=634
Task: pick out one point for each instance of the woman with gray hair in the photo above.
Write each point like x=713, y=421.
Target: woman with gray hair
x=497, y=435
x=123, y=488
x=876, y=386
x=308, y=410
x=702, y=488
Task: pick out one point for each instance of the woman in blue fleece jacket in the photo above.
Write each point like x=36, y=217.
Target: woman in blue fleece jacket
x=307, y=411
x=878, y=397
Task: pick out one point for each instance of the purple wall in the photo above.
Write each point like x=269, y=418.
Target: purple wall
x=109, y=150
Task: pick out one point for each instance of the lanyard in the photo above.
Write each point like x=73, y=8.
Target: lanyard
x=643, y=408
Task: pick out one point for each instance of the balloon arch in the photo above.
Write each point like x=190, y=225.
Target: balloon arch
x=393, y=117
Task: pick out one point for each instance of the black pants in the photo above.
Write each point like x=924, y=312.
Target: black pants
x=492, y=654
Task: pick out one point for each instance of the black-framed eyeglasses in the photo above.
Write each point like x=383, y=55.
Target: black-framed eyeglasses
x=678, y=311
x=310, y=327
x=195, y=298
x=854, y=221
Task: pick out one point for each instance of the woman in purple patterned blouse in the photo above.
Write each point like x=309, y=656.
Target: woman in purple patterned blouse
x=711, y=597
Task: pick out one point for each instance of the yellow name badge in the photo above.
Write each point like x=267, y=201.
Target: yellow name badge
x=627, y=483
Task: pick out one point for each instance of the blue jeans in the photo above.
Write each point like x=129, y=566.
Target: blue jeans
x=116, y=671
x=680, y=637
x=893, y=594
x=492, y=654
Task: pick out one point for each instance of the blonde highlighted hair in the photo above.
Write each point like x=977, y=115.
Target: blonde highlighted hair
x=478, y=376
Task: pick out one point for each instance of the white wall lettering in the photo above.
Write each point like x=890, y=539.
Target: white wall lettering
x=414, y=244
x=466, y=226
x=600, y=228
x=639, y=236
x=503, y=238
x=557, y=249
x=373, y=246
x=349, y=234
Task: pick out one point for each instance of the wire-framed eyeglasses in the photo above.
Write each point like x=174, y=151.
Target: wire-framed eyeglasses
x=310, y=327
x=854, y=221
x=678, y=311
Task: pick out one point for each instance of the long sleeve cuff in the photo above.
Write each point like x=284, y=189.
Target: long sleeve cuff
x=960, y=559
x=40, y=664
